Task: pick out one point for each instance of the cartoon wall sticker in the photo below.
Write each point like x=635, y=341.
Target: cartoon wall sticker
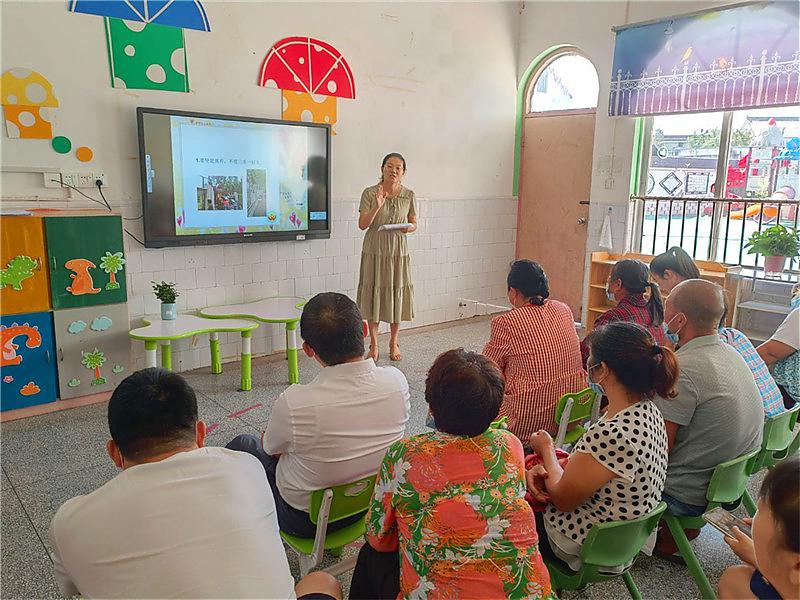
x=82, y=282
x=7, y=336
x=171, y=13
x=8, y=379
x=27, y=98
x=76, y=327
x=112, y=264
x=74, y=382
x=117, y=369
x=101, y=323
x=18, y=270
x=94, y=361
x=30, y=389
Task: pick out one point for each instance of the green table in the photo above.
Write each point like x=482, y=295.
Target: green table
x=157, y=332
x=286, y=310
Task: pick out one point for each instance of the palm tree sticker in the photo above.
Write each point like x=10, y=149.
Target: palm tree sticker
x=94, y=360
x=111, y=263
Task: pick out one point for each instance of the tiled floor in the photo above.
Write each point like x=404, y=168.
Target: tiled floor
x=47, y=460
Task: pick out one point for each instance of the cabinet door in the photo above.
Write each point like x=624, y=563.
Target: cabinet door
x=93, y=349
x=86, y=260
x=23, y=266
x=28, y=365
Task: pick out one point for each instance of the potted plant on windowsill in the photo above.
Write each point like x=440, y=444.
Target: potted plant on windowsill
x=776, y=244
x=167, y=293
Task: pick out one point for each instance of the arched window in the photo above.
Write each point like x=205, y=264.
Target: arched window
x=567, y=80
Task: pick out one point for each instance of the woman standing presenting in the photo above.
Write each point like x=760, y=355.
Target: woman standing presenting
x=385, y=291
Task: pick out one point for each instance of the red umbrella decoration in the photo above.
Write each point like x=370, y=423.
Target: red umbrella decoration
x=306, y=68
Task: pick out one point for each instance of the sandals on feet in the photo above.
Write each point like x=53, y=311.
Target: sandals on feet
x=373, y=353
x=395, y=354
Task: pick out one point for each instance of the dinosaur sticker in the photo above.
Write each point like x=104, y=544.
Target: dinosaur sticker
x=9, y=348
x=18, y=270
x=82, y=282
x=30, y=389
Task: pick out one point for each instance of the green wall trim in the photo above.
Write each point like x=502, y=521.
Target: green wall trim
x=636, y=156
x=523, y=85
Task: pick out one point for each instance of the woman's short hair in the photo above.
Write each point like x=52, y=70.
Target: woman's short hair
x=528, y=277
x=464, y=390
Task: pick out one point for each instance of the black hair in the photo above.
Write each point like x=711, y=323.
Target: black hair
x=635, y=278
x=637, y=361
x=152, y=411
x=781, y=492
x=464, y=390
x=676, y=260
x=529, y=278
x=393, y=155
x=332, y=325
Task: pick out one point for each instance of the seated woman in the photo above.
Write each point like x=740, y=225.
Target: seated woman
x=772, y=557
x=617, y=469
x=782, y=353
x=671, y=267
x=449, y=517
x=627, y=283
x=537, y=348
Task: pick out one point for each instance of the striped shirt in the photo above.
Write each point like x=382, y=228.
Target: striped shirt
x=538, y=351
x=631, y=308
x=770, y=394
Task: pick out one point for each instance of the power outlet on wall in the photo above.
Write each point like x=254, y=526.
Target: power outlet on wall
x=79, y=180
x=85, y=180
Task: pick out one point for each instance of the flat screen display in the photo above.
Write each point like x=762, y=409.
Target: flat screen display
x=216, y=179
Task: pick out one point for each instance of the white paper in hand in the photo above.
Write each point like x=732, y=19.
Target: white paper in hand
x=394, y=226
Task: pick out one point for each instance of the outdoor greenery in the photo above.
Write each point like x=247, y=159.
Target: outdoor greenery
x=777, y=240
x=165, y=292
x=709, y=138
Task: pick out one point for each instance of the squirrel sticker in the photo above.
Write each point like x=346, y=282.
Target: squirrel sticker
x=18, y=270
x=82, y=282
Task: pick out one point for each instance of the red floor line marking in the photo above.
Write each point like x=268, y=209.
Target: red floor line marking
x=244, y=410
x=211, y=427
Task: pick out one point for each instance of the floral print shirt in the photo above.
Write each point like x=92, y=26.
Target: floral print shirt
x=454, y=507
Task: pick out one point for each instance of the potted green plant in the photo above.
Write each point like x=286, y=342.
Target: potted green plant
x=167, y=293
x=775, y=243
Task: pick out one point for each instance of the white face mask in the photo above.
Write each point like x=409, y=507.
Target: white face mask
x=610, y=295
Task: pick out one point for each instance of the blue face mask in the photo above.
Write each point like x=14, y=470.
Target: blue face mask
x=596, y=387
x=795, y=302
x=610, y=295
x=671, y=335
x=430, y=421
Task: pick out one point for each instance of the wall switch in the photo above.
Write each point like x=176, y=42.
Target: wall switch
x=70, y=179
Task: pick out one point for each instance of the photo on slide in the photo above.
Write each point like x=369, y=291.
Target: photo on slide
x=256, y=193
x=220, y=192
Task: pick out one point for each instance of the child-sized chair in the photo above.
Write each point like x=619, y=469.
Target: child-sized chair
x=608, y=545
x=726, y=488
x=778, y=436
x=575, y=408
x=328, y=506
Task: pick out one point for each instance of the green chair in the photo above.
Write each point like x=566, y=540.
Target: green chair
x=778, y=437
x=328, y=506
x=575, y=408
x=611, y=544
x=726, y=488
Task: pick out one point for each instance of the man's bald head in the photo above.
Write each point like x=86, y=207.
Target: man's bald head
x=701, y=301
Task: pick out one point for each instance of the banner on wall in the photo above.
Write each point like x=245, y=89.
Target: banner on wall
x=742, y=56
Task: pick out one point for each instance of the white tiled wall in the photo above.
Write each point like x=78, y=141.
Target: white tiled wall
x=461, y=250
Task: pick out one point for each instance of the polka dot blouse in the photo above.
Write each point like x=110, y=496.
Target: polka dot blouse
x=632, y=444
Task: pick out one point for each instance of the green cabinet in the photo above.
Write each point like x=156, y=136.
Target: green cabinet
x=86, y=260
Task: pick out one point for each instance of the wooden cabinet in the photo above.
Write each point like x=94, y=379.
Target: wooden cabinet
x=86, y=260
x=93, y=349
x=23, y=262
x=28, y=365
x=603, y=262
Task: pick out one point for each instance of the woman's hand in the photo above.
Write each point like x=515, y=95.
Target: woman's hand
x=742, y=545
x=541, y=442
x=535, y=478
x=380, y=197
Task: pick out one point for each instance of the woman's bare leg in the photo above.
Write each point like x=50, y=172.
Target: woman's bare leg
x=394, y=346
x=373, y=341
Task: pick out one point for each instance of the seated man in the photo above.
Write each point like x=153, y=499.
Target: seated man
x=181, y=520
x=335, y=429
x=717, y=414
x=771, y=396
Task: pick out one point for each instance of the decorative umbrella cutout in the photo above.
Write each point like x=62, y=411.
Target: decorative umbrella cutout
x=312, y=74
x=27, y=97
x=184, y=14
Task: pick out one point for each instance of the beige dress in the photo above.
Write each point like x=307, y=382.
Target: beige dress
x=385, y=292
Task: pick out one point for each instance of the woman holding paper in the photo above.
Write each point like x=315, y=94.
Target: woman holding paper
x=385, y=293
